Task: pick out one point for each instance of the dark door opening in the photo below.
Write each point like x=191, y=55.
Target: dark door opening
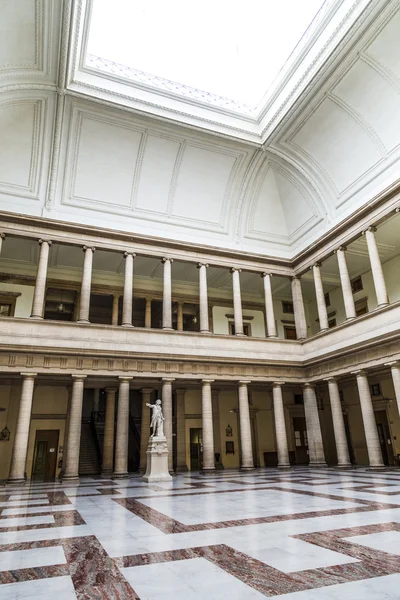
x=196, y=449
x=384, y=437
x=300, y=440
x=45, y=456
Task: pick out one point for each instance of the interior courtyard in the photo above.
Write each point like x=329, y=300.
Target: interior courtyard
x=215, y=225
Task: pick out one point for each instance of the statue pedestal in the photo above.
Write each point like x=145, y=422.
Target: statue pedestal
x=157, y=460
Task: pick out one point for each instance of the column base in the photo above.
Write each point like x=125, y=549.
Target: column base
x=284, y=467
x=168, y=329
x=345, y=466
x=205, y=331
x=272, y=336
x=37, y=317
x=16, y=481
x=71, y=478
x=181, y=469
x=240, y=335
x=210, y=471
x=126, y=325
x=318, y=465
x=106, y=474
x=84, y=321
x=378, y=468
x=247, y=468
x=120, y=476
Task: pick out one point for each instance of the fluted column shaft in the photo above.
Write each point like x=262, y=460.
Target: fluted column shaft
x=245, y=428
x=368, y=416
x=298, y=307
x=179, y=324
x=122, y=439
x=347, y=292
x=41, y=276
x=167, y=412
x=319, y=293
x=145, y=427
x=180, y=431
x=216, y=424
x=128, y=290
x=280, y=427
x=147, y=314
x=376, y=267
x=314, y=434
x=86, y=284
x=237, y=302
x=207, y=424
x=203, y=293
x=115, y=308
x=269, y=305
x=108, y=442
x=338, y=424
x=20, y=448
x=71, y=470
x=167, y=292
x=395, y=369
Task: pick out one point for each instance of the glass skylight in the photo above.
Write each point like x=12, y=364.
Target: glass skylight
x=227, y=48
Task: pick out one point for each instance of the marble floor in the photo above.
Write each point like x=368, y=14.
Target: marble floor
x=298, y=535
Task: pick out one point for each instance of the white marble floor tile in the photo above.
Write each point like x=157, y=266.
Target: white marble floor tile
x=21, y=521
x=11, y=503
x=379, y=588
x=36, y=509
x=37, y=557
x=60, y=588
x=34, y=535
x=387, y=541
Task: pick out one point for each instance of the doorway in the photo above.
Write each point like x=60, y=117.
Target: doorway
x=45, y=455
x=300, y=440
x=196, y=449
x=384, y=437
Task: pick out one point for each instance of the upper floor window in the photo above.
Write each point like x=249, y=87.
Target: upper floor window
x=5, y=310
x=287, y=307
x=298, y=399
x=246, y=329
x=376, y=389
x=356, y=284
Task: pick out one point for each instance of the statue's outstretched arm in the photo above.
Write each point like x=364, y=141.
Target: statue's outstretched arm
x=150, y=405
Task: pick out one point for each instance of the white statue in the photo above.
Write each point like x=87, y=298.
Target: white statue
x=157, y=419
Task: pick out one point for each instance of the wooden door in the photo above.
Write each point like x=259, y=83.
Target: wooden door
x=45, y=455
x=300, y=440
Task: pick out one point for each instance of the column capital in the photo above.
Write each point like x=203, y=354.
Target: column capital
x=111, y=390
x=372, y=228
x=201, y=264
x=316, y=265
x=309, y=385
x=361, y=372
x=167, y=379
x=278, y=383
x=331, y=378
x=79, y=376
x=243, y=382
x=92, y=248
x=124, y=378
x=207, y=381
x=295, y=278
x=266, y=274
x=233, y=269
x=341, y=249
x=165, y=259
x=393, y=363
x=28, y=375
x=129, y=254
x=41, y=240
x=2, y=236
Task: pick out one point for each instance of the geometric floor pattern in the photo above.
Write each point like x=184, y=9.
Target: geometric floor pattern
x=304, y=534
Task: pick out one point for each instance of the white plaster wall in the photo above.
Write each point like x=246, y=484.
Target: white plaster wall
x=23, y=304
x=221, y=322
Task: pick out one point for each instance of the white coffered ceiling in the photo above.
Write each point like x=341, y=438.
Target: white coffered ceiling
x=85, y=146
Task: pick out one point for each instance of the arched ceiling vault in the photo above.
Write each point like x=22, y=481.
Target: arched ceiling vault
x=68, y=155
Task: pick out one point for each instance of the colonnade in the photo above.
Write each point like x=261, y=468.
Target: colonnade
x=116, y=464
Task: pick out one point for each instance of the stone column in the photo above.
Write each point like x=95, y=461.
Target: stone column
x=167, y=412
x=319, y=292
x=128, y=290
x=145, y=427
x=108, y=442
x=338, y=424
x=314, y=435
x=217, y=426
x=2, y=236
x=395, y=369
x=71, y=471
x=86, y=284
x=96, y=399
x=370, y=429
x=122, y=438
x=207, y=424
x=237, y=302
x=298, y=307
x=180, y=431
x=147, y=314
x=376, y=267
x=280, y=427
x=41, y=276
x=20, y=448
x=269, y=305
x=167, y=291
x=245, y=428
x=115, y=308
x=179, y=324
x=346, y=283
x=203, y=292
